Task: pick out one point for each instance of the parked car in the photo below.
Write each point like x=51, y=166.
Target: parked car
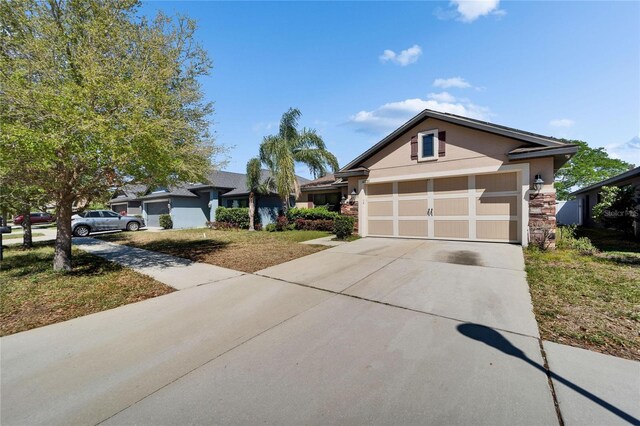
x=36, y=218
x=4, y=229
x=82, y=224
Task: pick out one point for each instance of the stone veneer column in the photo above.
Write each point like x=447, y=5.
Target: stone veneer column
x=348, y=209
x=542, y=215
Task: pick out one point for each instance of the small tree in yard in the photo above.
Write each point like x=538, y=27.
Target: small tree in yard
x=256, y=187
x=617, y=208
x=281, y=152
x=343, y=226
x=95, y=97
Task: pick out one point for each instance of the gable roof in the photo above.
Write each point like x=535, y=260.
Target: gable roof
x=510, y=132
x=612, y=180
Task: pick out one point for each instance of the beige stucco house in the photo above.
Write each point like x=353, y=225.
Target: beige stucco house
x=444, y=176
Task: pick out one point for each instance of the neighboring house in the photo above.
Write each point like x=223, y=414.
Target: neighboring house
x=444, y=176
x=192, y=205
x=325, y=191
x=590, y=196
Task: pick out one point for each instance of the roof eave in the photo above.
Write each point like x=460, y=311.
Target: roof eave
x=613, y=180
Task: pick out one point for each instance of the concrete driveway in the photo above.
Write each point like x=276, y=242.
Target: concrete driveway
x=372, y=332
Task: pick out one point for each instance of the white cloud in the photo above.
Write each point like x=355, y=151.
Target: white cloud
x=457, y=82
x=404, y=58
x=470, y=10
x=394, y=114
x=628, y=151
x=562, y=122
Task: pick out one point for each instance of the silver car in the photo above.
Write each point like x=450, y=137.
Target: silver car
x=89, y=221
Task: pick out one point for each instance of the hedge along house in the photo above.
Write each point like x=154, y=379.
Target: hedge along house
x=192, y=205
x=444, y=176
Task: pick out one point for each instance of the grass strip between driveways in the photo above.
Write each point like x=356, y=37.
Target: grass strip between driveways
x=240, y=250
x=33, y=295
x=589, y=300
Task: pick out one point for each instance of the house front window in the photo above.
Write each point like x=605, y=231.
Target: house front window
x=427, y=143
x=331, y=200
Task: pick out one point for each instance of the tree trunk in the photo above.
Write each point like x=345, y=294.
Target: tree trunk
x=27, y=240
x=252, y=210
x=285, y=206
x=62, y=257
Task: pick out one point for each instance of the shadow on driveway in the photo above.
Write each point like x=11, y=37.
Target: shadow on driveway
x=492, y=338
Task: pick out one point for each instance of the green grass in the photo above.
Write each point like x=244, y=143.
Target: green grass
x=33, y=295
x=589, y=300
x=20, y=235
x=234, y=249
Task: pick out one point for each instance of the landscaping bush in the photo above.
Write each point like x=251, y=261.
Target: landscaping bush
x=271, y=227
x=566, y=239
x=314, y=225
x=343, y=226
x=165, y=221
x=316, y=213
x=237, y=217
x=282, y=223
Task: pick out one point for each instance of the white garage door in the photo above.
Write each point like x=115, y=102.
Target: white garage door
x=477, y=207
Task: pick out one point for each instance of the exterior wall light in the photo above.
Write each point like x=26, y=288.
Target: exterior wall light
x=353, y=196
x=538, y=183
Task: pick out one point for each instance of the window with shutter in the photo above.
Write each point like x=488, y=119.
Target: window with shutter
x=428, y=145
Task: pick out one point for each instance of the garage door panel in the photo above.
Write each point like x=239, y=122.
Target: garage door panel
x=478, y=207
x=451, y=228
x=412, y=207
x=453, y=185
x=492, y=206
x=413, y=228
x=381, y=208
x=497, y=230
x=380, y=190
x=380, y=227
x=500, y=182
x=414, y=187
x=451, y=207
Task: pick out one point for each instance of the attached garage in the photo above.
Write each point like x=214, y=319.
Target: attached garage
x=475, y=207
x=154, y=210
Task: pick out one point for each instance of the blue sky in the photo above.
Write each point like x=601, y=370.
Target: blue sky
x=358, y=70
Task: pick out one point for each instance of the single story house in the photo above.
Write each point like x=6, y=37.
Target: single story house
x=192, y=205
x=590, y=196
x=444, y=176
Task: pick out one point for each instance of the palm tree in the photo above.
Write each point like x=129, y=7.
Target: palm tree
x=256, y=186
x=281, y=152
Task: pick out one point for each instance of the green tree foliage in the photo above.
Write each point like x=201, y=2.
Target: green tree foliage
x=281, y=152
x=257, y=186
x=618, y=208
x=94, y=96
x=586, y=167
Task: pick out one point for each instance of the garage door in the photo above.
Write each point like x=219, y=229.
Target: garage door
x=477, y=207
x=154, y=210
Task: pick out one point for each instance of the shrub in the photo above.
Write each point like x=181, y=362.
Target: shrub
x=566, y=239
x=343, y=226
x=237, y=217
x=316, y=213
x=314, y=225
x=271, y=227
x=165, y=221
x=282, y=223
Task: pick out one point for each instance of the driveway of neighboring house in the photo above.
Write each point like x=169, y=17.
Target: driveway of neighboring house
x=377, y=331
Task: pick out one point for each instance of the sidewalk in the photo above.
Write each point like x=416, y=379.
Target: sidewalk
x=172, y=271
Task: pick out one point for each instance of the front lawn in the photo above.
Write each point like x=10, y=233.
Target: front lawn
x=33, y=295
x=234, y=249
x=589, y=300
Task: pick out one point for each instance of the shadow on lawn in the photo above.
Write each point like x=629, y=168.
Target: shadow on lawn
x=195, y=250
x=492, y=338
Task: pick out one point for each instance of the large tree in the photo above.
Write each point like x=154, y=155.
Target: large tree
x=257, y=186
x=281, y=152
x=586, y=167
x=94, y=96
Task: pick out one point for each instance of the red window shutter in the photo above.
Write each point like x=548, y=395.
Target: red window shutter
x=442, y=143
x=414, y=147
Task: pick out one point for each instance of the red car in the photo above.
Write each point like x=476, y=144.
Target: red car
x=36, y=218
